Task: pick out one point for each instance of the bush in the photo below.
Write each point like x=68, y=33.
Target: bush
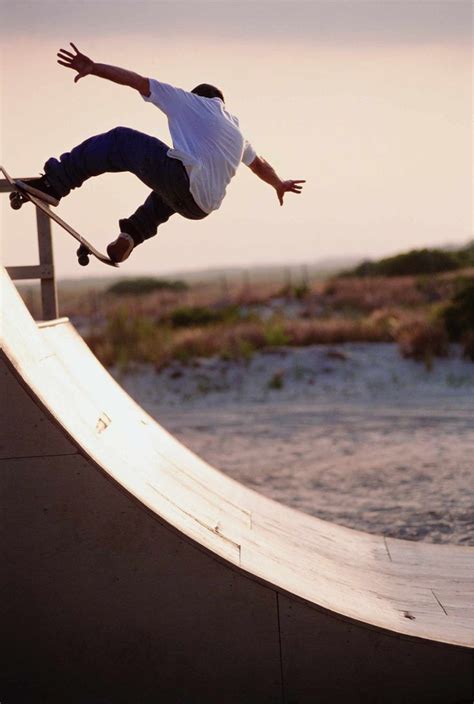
x=277, y=381
x=465, y=256
x=468, y=345
x=275, y=334
x=301, y=291
x=422, y=341
x=418, y=261
x=145, y=285
x=132, y=338
x=458, y=315
x=365, y=268
x=195, y=316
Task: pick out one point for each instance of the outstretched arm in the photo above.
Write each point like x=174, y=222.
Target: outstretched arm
x=85, y=67
x=267, y=173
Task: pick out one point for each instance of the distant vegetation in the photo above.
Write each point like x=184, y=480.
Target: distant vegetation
x=417, y=261
x=195, y=316
x=458, y=317
x=422, y=300
x=145, y=285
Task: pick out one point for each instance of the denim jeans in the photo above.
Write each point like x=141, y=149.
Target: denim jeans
x=124, y=149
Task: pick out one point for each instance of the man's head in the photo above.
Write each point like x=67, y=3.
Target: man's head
x=205, y=90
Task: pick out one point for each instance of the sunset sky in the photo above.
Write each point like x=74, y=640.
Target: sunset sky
x=368, y=101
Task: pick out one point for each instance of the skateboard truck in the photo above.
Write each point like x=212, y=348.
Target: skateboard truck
x=17, y=199
x=19, y=196
x=83, y=253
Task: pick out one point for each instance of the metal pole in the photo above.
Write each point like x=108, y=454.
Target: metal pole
x=49, y=294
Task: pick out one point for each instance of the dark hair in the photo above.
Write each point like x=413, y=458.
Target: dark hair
x=205, y=90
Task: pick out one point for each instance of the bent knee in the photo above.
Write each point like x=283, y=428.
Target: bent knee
x=123, y=132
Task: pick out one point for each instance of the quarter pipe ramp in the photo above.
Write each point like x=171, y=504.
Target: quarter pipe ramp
x=132, y=571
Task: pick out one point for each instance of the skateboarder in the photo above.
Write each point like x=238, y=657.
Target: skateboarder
x=189, y=179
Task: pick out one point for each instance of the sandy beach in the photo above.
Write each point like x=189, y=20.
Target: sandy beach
x=352, y=433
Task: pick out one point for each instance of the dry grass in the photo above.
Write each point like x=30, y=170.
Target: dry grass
x=243, y=318
x=368, y=294
x=358, y=294
x=134, y=339
x=422, y=340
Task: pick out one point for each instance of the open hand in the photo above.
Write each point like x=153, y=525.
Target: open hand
x=79, y=62
x=288, y=187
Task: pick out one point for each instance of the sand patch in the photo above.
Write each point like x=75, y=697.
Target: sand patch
x=352, y=434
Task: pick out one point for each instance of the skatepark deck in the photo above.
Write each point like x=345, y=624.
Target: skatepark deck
x=134, y=571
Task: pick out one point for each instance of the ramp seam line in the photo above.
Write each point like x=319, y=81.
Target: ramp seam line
x=283, y=699
x=220, y=497
x=46, y=356
x=387, y=548
x=213, y=531
x=440, y=604
x=38, y=457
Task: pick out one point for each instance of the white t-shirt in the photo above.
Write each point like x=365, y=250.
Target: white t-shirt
x=206, y=138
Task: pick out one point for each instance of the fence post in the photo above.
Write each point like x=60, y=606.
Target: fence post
x=49, y=294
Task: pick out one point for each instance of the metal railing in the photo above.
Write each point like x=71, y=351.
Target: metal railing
x=44, y=271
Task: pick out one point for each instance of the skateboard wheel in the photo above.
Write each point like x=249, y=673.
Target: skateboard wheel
x=16, y=201
x=83, y=260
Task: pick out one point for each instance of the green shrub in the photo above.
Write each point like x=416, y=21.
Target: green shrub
x=300, y=291
x=275, y=335
x=365, y=268
x=195, y=316
x=458, y=315
x=417, y=261
x=145, y=285
x=465, y=255
x=238, y=349
x=189, y=316
x=277, y=381
x=134, y=337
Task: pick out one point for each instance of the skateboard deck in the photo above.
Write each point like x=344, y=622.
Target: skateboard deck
x=19, y=196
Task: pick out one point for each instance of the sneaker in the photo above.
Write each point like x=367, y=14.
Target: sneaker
x=120, y=249
x=41, y=188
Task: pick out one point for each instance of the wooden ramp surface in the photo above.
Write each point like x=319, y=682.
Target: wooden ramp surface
x=132, y=566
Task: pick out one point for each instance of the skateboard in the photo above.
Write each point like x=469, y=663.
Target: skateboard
x=19, y=196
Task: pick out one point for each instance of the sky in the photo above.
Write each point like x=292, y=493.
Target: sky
x=369, y=101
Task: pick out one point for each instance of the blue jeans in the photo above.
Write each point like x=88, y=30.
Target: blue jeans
x=124, y=149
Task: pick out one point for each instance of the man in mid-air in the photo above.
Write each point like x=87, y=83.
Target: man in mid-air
x=189, y=179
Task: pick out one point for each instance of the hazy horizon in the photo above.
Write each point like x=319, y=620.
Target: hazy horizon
x=369, y=101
